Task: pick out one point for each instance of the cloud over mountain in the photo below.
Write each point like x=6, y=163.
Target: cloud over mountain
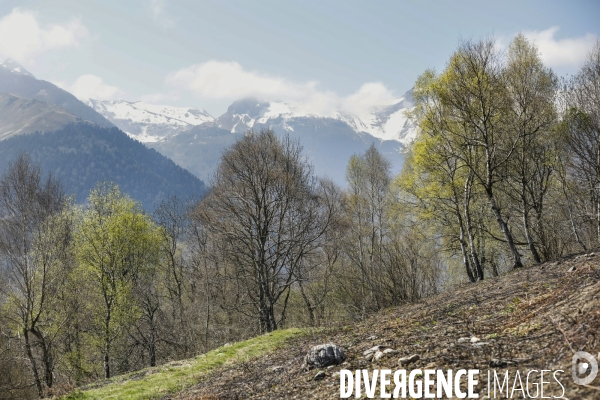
x=93, y=87
x=216, y=80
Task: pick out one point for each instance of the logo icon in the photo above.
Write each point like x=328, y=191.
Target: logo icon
x=582, y=364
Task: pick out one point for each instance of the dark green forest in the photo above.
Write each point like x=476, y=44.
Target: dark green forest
x=80, y=155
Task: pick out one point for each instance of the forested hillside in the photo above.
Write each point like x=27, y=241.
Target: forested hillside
x=82, y=154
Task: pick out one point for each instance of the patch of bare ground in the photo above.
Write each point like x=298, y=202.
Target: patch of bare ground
x=532, y=318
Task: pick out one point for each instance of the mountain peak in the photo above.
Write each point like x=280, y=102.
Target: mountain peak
x=15, y=67
x=250, y=106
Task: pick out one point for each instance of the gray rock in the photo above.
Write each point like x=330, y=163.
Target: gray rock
x=378, y=356
x=475, y=339
x=320, y=375
x=324, y=355
x=373, y=350
x=499, y=363
x=464, y=339
x=408, y=360
x=390, y=351
x=573, y=268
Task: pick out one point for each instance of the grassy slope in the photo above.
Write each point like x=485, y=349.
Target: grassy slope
x=176, y=376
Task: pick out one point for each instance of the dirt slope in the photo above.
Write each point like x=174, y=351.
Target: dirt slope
x=533, y=318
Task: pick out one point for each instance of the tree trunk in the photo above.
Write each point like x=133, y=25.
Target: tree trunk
x=309, y=307
x=534, y=252
x=34, y=368
x=106, y=361
x=505, y=230
x=46, y=357
x=467, y=201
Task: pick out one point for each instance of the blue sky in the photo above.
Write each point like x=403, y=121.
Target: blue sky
x=208, y=53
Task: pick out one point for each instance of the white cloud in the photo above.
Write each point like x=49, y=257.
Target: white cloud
x=215, y=80
x=23, y=38
x=228, y=80
x=567, y=52
x=367, y=98
x=92, y=87
x=159, y=14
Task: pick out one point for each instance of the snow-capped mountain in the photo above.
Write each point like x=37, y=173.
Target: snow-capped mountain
x=14, y=67
x=195, y=140
x=150, y=123
x=386, y=123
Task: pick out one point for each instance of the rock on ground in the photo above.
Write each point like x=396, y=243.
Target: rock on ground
x=324, y=355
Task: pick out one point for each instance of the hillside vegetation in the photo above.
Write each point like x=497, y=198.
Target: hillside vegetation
x=82, y=154
x=534, y=318
x=502, y=182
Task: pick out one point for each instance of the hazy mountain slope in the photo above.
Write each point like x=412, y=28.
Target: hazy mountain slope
x=83, y=154
x=198, y=150
x=16, y=80
x=20, y=116
x=328, y=142
x=328, y=145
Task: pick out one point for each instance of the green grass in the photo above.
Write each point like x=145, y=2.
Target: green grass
x=152, y=383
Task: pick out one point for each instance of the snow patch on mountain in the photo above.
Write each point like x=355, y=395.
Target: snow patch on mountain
x=15, y=67
x=150, y=123
x=389, y=122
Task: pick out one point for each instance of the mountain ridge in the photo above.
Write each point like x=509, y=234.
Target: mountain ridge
x=16, y=80
x=20, y=116
x=198, y=147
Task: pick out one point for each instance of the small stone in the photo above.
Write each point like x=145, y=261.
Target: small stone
x=320, y=375
x=378, y=356
x=498, y=363
x=573, y=268
x=479, y=344
x=373, y=350
x=227, y=345
x=373, y=337
x=390, y=351
x=278, y=368
x=475, y=339
x=408, y=360
x=463, y=339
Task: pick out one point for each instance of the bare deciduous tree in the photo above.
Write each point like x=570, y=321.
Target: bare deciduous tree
x=265, y=209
